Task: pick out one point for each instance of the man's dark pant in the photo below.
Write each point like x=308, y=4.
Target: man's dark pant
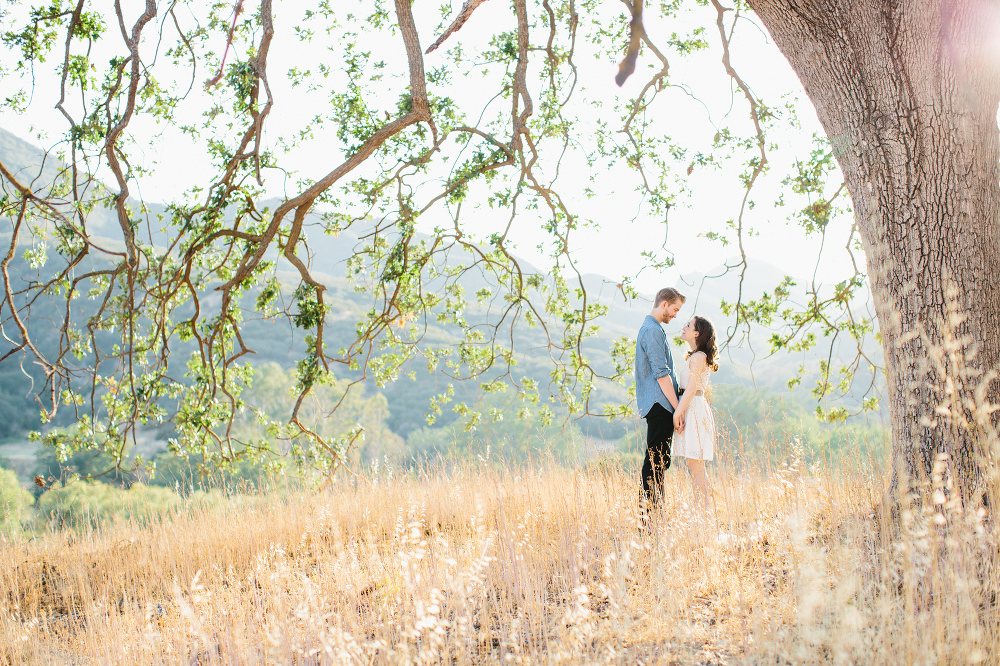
x=659, y=432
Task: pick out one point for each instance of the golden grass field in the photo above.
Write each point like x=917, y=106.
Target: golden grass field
x=484, y=564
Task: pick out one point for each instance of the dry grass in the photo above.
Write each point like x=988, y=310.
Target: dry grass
x=538, y=566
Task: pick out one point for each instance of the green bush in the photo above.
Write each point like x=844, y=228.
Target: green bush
x=185, y=475
x=770, y=426
x=273, y=392
x=508, y=429
x=766, y=427
x=79, y=503
x=14, y=503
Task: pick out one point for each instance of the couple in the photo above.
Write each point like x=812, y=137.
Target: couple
x=678, y=418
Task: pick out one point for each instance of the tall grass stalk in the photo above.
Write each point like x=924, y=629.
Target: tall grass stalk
x=531, y=565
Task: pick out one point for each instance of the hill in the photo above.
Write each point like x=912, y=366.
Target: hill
x=746, y=361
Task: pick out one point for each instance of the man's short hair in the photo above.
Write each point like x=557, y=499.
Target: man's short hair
x=669, y=294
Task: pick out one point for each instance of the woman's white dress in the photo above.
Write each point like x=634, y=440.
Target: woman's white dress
x=697, y=440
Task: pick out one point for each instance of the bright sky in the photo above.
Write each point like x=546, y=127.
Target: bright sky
x=614, y=249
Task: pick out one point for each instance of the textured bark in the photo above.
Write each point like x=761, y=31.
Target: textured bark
x=907, y=91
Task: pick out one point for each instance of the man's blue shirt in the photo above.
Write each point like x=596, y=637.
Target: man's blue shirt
x=652, y=361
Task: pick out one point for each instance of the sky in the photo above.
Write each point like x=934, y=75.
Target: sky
x=612, y=250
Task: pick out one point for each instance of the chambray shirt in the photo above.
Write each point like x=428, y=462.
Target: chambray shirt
x=652, y=361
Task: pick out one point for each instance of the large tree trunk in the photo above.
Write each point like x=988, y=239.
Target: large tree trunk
x=907, y=92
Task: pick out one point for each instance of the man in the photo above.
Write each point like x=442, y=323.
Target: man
x=656, y=390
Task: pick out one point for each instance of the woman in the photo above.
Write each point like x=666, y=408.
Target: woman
x=694, y=424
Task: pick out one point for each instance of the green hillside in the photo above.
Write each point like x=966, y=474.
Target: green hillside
x=407, y=399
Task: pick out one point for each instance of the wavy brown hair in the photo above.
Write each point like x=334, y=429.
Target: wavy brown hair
x=705, y=342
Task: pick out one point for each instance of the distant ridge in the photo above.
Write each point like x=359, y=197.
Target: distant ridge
x=22, y=159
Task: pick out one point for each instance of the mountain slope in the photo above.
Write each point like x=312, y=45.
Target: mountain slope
x=745, y=361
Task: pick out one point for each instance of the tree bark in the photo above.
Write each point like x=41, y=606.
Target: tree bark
x=907, y=91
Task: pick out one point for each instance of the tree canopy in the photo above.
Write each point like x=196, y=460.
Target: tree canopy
x=450, y=145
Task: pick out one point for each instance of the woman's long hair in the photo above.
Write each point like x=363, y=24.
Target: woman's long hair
x=705, y=342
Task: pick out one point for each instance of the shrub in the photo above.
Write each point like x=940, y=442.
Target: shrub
x=79, y=503
x=14, y=502
x=507, y=430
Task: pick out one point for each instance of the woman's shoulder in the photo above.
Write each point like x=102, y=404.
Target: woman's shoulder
x=698, y=360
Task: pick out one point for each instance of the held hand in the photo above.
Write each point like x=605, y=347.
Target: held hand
x=678, y=422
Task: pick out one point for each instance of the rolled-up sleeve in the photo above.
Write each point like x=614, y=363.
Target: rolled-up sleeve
x=652, y=363
x=654, y=344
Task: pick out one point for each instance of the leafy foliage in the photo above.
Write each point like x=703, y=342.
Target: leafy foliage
x=79, y=504
x=154, y=306
x=511, y=428
x=14, y=503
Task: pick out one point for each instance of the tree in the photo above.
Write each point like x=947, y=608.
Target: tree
x=908, y=94
x=417, y=145
x=359, y=430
